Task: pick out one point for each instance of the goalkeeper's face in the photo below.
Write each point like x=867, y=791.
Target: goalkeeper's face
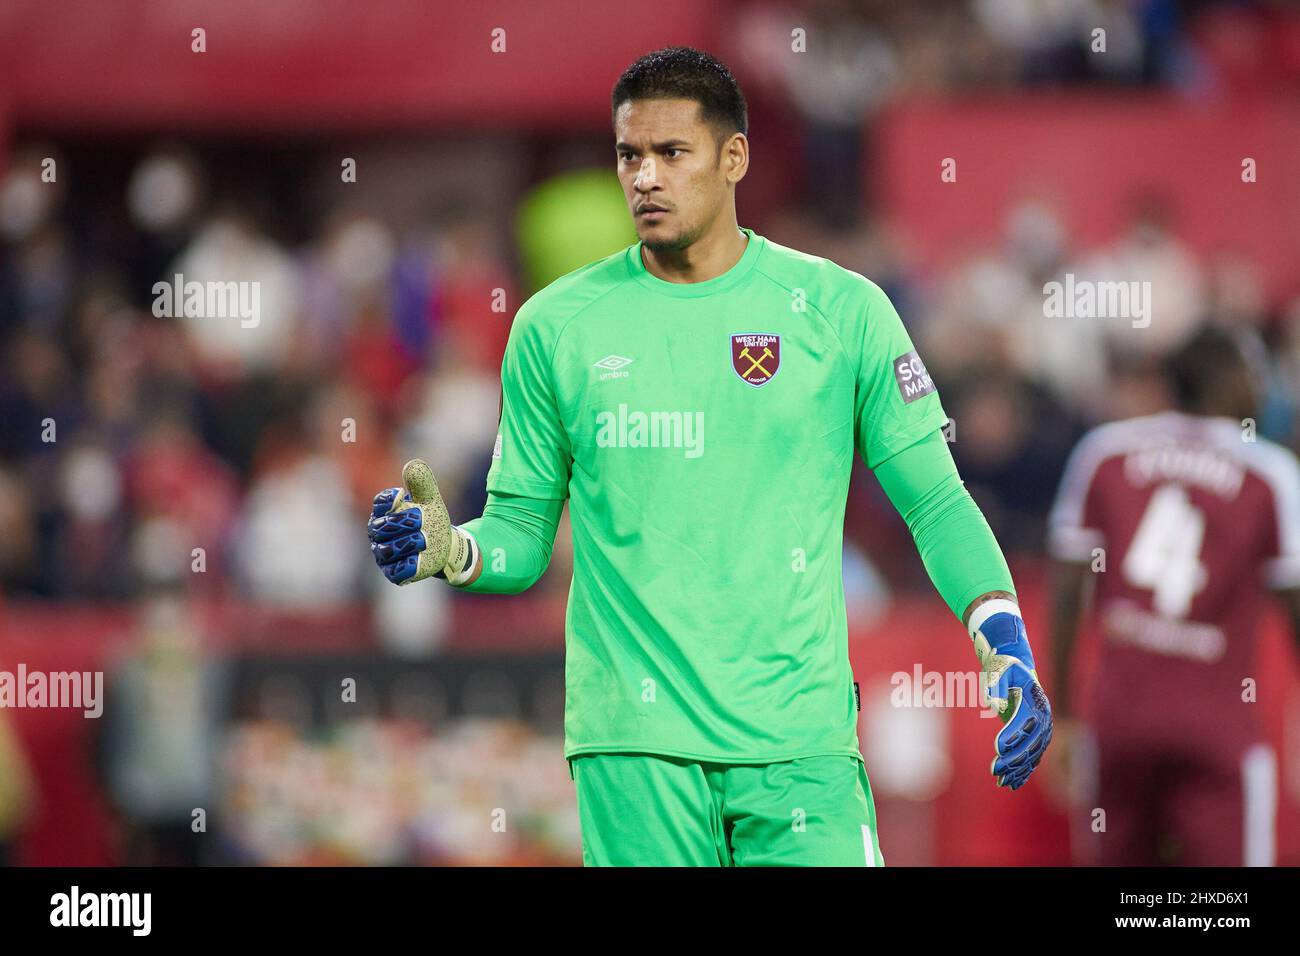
x=676, y=177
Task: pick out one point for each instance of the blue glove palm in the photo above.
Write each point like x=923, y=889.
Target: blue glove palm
x=1002, y=645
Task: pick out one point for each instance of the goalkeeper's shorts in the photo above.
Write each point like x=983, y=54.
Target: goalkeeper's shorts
x=654, y=810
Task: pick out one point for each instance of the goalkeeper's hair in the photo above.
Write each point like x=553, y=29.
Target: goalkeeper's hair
x=681, y=72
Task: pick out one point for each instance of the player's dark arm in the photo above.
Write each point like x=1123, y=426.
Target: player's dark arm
x=1291, y=598
x=952, y=536
x=1069, y=580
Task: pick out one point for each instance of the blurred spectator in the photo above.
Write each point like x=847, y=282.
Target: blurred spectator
x=1011, y=442
x=299, y=504
x=17, y=791
x=345, y=284
x=1149, y=252
x=18, y=536
x=228, y=249
x=164, y=200
x=182, y=497
x=160, y=737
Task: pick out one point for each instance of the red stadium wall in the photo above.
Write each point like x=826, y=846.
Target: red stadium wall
x=1091, y=158
x=307, y=65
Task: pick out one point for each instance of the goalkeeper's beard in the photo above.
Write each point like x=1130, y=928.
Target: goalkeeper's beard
x=679, y=243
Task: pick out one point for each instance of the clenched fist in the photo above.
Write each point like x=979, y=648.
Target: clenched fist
x=411, y=534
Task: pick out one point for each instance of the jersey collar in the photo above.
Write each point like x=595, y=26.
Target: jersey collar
x=690, y=290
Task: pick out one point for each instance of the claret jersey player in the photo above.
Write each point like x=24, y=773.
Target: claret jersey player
x=1196, y=523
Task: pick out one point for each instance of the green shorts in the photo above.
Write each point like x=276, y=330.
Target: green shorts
x=653, y=810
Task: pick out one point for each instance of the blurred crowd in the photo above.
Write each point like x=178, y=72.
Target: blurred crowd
x=149, y=455
x=872, y=54
x=141, y=450
x=140, y=453
x=1021, y=385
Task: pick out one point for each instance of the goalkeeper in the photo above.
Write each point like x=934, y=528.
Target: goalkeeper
x=698, y=399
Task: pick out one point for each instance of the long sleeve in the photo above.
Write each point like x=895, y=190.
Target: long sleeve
x=955, y=542
x=515, y=535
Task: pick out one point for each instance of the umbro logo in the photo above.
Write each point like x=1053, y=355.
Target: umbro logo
x=613, y=366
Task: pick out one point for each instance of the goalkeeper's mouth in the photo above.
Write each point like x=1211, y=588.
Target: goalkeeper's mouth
x=651, y=213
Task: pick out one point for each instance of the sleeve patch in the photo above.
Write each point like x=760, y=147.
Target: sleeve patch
x=912, y=378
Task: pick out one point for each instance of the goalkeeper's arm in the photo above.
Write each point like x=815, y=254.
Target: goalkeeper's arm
x=954, y=540
x=515, y=536
x=504, y=551
x=967, y=567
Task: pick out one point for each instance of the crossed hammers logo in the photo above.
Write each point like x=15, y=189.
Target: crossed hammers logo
x=758, y=362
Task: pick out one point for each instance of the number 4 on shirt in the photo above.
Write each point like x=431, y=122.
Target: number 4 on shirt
x=1165, y=556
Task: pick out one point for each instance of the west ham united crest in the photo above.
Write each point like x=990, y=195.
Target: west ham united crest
x=756, y=356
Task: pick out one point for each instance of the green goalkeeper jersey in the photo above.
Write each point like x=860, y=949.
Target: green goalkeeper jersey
x=704, y=434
